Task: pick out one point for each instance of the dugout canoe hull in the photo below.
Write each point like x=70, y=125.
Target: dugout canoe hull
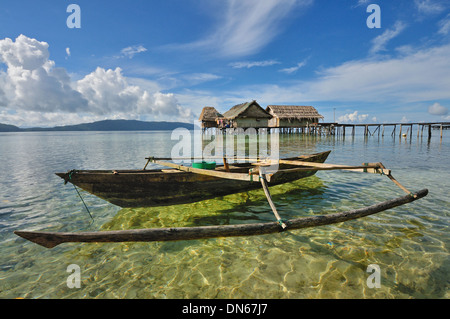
x=148, y=188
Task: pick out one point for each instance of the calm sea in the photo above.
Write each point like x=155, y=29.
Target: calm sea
x=409, y=244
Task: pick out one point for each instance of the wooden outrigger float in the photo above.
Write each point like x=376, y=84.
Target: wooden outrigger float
x=223, y=180
x=52, y=239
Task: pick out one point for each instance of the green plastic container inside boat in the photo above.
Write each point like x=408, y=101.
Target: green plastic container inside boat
x=204, y=165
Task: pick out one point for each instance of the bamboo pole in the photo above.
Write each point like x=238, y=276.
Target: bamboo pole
x=375, y=168
x=269, y=199
x=372, y=168
x=152, y=159
x=148, y=161
x=396, y=182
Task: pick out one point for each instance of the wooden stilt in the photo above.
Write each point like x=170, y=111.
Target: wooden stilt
x=225, y=164
x=378, y=128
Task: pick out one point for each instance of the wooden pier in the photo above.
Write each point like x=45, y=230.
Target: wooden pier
x=299, y=119
x=404, y=130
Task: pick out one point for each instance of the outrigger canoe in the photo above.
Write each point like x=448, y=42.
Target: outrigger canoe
x=185, y=184
x=181, y=184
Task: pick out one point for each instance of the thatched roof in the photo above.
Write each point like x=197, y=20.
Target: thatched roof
x=247, y=109
x=293, y=112
x=209, y=114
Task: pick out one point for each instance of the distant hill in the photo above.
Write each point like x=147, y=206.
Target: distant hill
x=106, y=125
x=8, y=128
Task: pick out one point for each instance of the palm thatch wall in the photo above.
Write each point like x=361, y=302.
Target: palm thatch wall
x=292, y=115
x=209, y=117
x=248, y=114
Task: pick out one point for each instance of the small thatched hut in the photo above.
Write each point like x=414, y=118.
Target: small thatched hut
x=245, y=115
x=209, y=116
x=292, y=115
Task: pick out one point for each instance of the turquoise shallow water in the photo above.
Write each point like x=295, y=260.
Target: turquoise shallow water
x=410, y=243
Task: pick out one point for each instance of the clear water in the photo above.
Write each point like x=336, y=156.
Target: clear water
x=410, y=243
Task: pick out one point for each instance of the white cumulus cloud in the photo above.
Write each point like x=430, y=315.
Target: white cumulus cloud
x=32, y=83
x=437, y=109
x=26, y=53
x=353, y=118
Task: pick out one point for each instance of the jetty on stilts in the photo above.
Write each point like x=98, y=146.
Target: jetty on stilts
x=305, y=120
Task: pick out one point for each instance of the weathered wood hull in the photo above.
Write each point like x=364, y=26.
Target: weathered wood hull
x=147, y=188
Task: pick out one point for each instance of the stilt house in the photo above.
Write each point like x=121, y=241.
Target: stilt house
x=245, y=115
x=209, y=117
x=292, y=115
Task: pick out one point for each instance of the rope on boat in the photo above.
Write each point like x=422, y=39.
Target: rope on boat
x=69, y=174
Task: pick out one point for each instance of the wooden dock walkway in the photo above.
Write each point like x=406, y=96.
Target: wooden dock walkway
x=405, y=129
x=341, y=129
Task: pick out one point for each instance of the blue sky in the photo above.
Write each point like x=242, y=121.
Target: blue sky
x=166, y=60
